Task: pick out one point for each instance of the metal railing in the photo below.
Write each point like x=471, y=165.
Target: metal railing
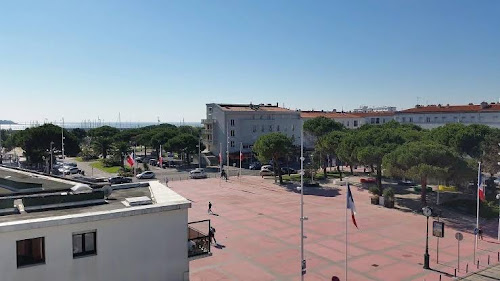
x=198, y=238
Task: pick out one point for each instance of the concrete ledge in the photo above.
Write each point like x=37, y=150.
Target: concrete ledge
x=64, y=205
x=129, y=185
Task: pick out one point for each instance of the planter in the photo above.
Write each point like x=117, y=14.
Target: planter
x=374, y=200
x=389, y=203
x=381, y=201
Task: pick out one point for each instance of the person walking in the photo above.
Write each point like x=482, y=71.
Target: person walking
x=223, y=174
x=211, y=235
x=480, y=233
x=210, y=208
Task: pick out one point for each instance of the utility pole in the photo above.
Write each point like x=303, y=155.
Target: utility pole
x=302, y=218
x=62, y=138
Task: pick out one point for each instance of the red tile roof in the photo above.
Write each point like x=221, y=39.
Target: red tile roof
x=492, y=107
x=253, y=107
x=330, y=114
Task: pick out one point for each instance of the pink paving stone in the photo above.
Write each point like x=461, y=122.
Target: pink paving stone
x=246, y=271
x=380, y=244
x=365, y=264
x=325, y=252
x=208, y=275
x=339, y=245
x=400, y=271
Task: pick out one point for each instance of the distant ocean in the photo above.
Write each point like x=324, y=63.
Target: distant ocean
x=92, y=124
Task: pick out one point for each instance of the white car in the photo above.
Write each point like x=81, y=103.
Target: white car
x=266, y=170
x=71, y=171
x=146, y=175
x=197, y=174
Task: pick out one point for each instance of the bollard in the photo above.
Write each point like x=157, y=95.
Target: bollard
x=439, y=277
x=477, y=263
x=467, y=268
x=455, y=273
x=498, y=255
x=488, y=259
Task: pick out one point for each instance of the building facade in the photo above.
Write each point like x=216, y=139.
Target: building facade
x=432, y=116
x=128, y=238
x=227, y=126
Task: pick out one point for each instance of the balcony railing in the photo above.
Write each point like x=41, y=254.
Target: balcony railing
x=207, y=121
x=198, y=238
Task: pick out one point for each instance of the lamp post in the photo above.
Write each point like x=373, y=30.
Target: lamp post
x=498, y=198
x=427, y=212
x=199, y=153
x=51, y=151
x=302, y=217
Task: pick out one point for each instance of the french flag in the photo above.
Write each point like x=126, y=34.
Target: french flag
x=130, y=161
x=480, y=185
x=350, y=205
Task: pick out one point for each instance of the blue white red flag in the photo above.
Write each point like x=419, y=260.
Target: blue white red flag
x=350, y=205
x=480, y=185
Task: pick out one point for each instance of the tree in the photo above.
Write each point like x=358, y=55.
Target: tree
x=104, y=132
x=348, y=149
x=490, y=149
x=373, y=143
x=320, y=126
x=183, y=143
x=80, y=134
x=421, y=161
x=329, y=145
x=273, y=146
x=121, y=149
x=103, y=145
x=36, y=142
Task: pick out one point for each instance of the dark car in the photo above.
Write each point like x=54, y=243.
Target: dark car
x=288, y=170
x=255, y=166
x=119, y=180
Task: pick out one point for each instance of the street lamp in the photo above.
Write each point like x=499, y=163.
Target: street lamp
x=498, y=198
x=427, y=212
x=51, y=151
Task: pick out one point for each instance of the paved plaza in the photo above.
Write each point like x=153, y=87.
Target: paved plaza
x=258, y=229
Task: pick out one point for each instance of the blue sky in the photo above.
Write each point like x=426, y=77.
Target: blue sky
x=84, y=59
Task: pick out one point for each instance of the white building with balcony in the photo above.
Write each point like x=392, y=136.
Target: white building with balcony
x=227, y=126
x=432, y=116
x=53, y=233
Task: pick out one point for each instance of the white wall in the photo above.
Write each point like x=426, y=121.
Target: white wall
x=491, y=119
x=144, y=247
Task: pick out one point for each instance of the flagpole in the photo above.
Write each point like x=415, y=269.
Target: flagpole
x=241, y=156
x=347, y=190
x=477, y=209
x=227, y=149
x=135, y=163
x=302, y=259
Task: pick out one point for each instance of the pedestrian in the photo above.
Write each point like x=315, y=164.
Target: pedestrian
x=480, y=233
x=223, y=174
x=210, y=207
x=166, y=181
x=211, y=234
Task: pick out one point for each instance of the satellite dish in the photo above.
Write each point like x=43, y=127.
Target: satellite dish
x=107, y=191
x=81, y=188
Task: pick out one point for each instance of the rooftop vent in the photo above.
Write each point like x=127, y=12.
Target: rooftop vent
x=138, y=201
x=81, y=188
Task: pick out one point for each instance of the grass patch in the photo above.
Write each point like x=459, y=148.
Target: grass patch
x=98, y=165
x=79, y=159
x=488, y=209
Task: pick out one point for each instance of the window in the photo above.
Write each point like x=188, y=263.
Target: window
x=383, y=120
x=378, y=120
x=270, y=128
x=278, y=128
x=347, y=123
x=428, y=119
x=411, y=119
x=293, y=127
x=210, y=109
x=30, y=251
x=404, y=119
x=262, y=128
x=232, y=133
x=232, y=122
x=355, y=123
x=232, y=143
x=372, y=120
x=84, y=244
x=254, y=129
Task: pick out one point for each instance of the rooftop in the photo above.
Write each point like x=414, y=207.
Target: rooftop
x=18, y=181
x=253, y=107
x=57, y=205
x=327, y=114
x=483, y=107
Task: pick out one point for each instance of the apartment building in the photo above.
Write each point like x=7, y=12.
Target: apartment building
x=432, y=116
x=228, y=125
x=54, y=229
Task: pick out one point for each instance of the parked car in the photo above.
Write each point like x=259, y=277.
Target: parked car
x=71, y=171
x=367, y=180
x=288, y=170
x=138, y=159
x=153, y=162
x=197, y=174
x=119, y=180
x=70, y=164
x=146, y=175
x=255, y=166
x=266, y=170
x=406, y=182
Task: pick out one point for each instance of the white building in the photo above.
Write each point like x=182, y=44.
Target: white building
x=432, y=116
x=244, y=123
x=138, y=234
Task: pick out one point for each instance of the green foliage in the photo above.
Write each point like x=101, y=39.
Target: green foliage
x=125, y=172
x=423, y=160
x=88, y=154
x=79, y=133
x=389, y=193
x=374, y=190
x=102, y=145
x=99, y=165
x=273, y=146
x=320, y=126
x=467, y=206
x=145, y=166
x=111, y=162
x=36, y=142
x=104, y=132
